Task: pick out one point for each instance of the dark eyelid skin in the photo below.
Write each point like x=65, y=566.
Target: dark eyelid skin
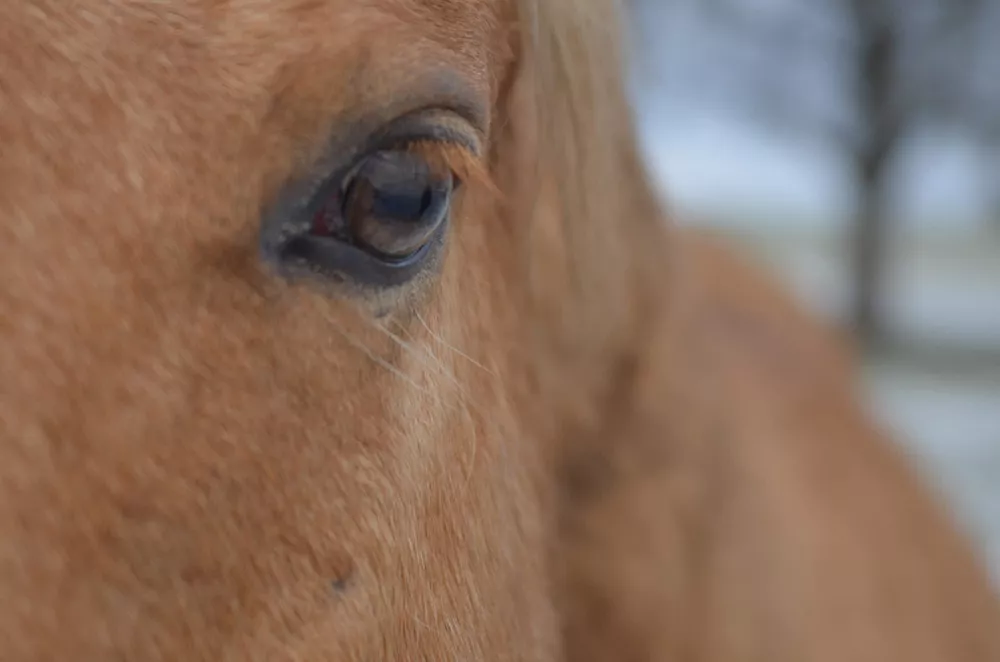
x=355, y=265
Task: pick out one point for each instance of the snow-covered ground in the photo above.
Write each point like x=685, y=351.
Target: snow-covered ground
x=950, y=423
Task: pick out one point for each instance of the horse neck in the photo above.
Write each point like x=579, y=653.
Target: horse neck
x=622, y=306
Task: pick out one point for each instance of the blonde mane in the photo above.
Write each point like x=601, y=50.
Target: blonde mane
x=588, y=142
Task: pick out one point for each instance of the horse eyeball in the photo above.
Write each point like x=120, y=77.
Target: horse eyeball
x=395, y=201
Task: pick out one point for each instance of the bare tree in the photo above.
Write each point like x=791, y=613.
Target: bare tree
x=883, y=123
x=980, y=97
x=890, y=63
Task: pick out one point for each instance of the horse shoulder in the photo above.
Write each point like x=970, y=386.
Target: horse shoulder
x=826, y=544
x=750, y=509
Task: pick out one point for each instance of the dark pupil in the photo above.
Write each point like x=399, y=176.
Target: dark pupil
x=401, y=200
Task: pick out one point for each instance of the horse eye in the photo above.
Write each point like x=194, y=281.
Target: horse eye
x=390, y=206
x=379, y=222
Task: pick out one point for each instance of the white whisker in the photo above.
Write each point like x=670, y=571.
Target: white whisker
x=380, y=361
x=448, y=345
x=428, y=359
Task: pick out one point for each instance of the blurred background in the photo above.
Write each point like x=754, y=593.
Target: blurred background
x=854, y=146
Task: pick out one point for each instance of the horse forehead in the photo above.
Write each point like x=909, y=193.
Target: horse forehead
x=116, y=33
x=242, y=48
x=185, y=16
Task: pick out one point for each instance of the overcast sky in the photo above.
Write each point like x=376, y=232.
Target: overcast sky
x=691, y=85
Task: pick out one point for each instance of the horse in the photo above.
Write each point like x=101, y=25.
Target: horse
x=354, y=330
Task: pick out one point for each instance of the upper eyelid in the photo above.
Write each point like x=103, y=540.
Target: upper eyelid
x=445, y=95
x=460, y=110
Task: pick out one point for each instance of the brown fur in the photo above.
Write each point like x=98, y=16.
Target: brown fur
x=590, y=437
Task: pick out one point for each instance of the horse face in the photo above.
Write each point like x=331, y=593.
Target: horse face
x=258, y=396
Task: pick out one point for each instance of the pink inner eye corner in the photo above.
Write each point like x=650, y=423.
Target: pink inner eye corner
x=325, y=219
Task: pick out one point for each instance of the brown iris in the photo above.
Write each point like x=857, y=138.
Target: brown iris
x=392, y=205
